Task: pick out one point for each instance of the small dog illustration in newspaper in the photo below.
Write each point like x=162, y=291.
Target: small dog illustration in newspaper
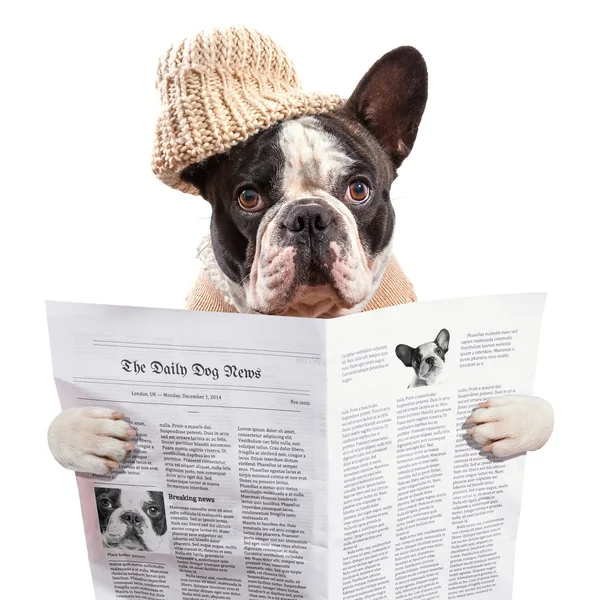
x=427, y=360
x=131, y=519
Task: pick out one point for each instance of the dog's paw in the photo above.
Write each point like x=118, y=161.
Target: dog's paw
x=90, y=440
x=509, y=425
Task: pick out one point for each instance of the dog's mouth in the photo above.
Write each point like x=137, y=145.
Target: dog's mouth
x=129, y=538
x=310, y=261
x=298, y=281
x=133, y=541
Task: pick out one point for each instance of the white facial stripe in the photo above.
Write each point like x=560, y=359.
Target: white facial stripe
x=428, y=349
x=132, y=499
x=313, y=158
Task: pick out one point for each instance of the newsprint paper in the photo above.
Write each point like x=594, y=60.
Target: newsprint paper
x=286, y=459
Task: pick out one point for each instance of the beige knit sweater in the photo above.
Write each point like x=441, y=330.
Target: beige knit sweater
x=395, y=288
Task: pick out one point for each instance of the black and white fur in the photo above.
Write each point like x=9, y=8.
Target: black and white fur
x=427, y=360
x=308, y=248
x=131, y=519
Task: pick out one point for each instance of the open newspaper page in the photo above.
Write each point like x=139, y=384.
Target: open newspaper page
x=419, y=512
x=224, y=496
x=296, y=458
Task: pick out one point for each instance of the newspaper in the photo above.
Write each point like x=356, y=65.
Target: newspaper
x=282, y=458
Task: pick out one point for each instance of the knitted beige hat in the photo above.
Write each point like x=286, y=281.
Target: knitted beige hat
x=216, y=90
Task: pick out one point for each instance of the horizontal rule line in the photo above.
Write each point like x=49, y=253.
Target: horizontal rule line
x=189, y=405
x=109, y=484
x=208, y=349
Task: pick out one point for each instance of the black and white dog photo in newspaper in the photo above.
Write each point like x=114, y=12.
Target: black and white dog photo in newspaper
x=131, y=519
x=427, y=360
x=302, y=218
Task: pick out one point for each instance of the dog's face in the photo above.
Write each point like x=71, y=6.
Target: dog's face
x=302, y=222
x=131, y=519
x=427, y=360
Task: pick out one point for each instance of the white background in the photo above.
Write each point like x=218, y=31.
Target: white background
x=499, y=195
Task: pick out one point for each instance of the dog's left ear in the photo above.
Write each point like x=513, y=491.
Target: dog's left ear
x=405, y=354
x=443, y=339
x=390, y=100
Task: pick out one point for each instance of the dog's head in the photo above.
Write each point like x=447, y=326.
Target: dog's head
x=131, y=519
x=427, y=360
x=302, y=221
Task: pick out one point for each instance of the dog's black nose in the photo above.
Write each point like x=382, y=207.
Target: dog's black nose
x=131, y=518
x=430, y=361
x=308, y=218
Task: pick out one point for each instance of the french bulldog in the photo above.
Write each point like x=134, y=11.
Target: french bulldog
x=131, y=519
x=426, y=360
x=302, y=224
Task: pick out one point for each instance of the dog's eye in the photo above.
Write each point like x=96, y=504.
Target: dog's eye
x=153, y=511
x=250, y=200
x=105, y=503
x=357, y=192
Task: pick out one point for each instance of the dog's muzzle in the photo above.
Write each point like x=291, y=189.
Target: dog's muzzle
x=430, y=367
x=309, y=252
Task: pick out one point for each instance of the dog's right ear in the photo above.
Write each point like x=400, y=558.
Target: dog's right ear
x=405, y=354
x=390, y=100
